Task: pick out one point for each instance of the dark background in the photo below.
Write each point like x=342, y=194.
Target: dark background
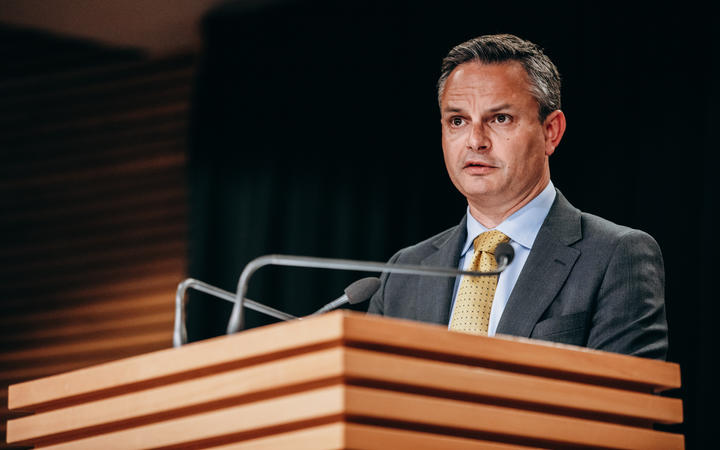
x=315, y=131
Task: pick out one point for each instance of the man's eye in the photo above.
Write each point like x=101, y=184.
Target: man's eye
x=503, y=118
x=456, y=121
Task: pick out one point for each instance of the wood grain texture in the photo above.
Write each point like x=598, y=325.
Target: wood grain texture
x=319, y=404
x=399, y=410
x=330, y=366
x=495, y=386
x=575, y=362
x=313, y=372
x=344, y=435
x=183, y=363
x=180, y=398
x=360, y=330
x=93, y=205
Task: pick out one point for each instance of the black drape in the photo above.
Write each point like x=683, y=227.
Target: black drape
x=315, y=131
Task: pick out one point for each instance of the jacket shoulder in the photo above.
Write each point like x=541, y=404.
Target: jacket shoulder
x=414, y=254
x=599, y=230
x=580, y=229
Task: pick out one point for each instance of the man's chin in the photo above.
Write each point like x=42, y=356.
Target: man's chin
x=480, y=189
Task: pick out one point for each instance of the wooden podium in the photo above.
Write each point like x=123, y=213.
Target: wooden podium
x=347, y=380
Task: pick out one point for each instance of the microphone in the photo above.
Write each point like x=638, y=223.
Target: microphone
x=504, y=254
x=236, y=317
x=357, y=292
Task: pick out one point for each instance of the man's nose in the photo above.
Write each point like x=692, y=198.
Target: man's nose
x=478, y=139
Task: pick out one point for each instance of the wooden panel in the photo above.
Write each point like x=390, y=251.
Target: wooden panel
x=55, y=332
x=539, y=357
x=324, y=437
x=93, y=304
x=329, y=366
x=544, y=429
x=178, y=399
x=377, y=438
x=400, y=410
x=327, y=330
x=19, y=374
x=313, y=372
x=72, y=288
x=212, y=354
x=93, y=201
x=493, y=386
x=319, y=405
x=63, y=350
x=363, y=437
x=80, y=145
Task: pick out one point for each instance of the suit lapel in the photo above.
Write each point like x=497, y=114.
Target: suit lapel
x=435, y=293
x=545, y=271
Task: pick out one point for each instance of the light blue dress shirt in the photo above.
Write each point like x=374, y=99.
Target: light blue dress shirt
x=522, y=228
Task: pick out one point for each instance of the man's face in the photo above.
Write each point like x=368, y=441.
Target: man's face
x=496, y=149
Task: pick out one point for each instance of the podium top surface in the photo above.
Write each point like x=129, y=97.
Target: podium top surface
x=349, y=329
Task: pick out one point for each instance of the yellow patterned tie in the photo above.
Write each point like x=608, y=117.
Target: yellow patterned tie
x=475, y=294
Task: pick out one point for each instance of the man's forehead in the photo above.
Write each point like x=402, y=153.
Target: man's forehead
x=480, y=75
x=504, y=82
x=509, y=67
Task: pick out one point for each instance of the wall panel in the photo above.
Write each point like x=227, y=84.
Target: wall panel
x=93, y=204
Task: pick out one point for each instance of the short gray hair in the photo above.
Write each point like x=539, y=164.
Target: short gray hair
x=498, y=48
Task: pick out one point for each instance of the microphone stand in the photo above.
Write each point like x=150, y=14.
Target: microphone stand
x=237, y=316
x=180, y=330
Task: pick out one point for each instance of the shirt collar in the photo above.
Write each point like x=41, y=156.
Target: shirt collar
x=522, y=226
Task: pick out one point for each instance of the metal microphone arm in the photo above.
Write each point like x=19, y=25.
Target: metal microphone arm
x=332, y=305
x=237, y=315
x=180, y=330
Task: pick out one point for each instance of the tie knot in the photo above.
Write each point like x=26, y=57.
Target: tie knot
x=487, y=241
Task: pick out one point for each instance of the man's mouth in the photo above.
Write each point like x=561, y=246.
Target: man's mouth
x=477, y=164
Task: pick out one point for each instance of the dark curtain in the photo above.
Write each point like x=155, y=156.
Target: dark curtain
x=315, y=132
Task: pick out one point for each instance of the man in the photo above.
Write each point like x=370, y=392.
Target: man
x=576, y=278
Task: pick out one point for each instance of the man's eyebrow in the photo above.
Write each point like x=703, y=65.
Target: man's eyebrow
x=494, y=109
x=499, y=107
x=452, y=109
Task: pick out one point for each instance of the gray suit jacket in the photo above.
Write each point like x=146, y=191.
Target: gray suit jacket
x=587, y=281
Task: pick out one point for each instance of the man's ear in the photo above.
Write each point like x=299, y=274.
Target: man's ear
x=554, y=128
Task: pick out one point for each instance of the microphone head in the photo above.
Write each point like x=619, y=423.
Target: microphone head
x=504, y=253
x=362, y=289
